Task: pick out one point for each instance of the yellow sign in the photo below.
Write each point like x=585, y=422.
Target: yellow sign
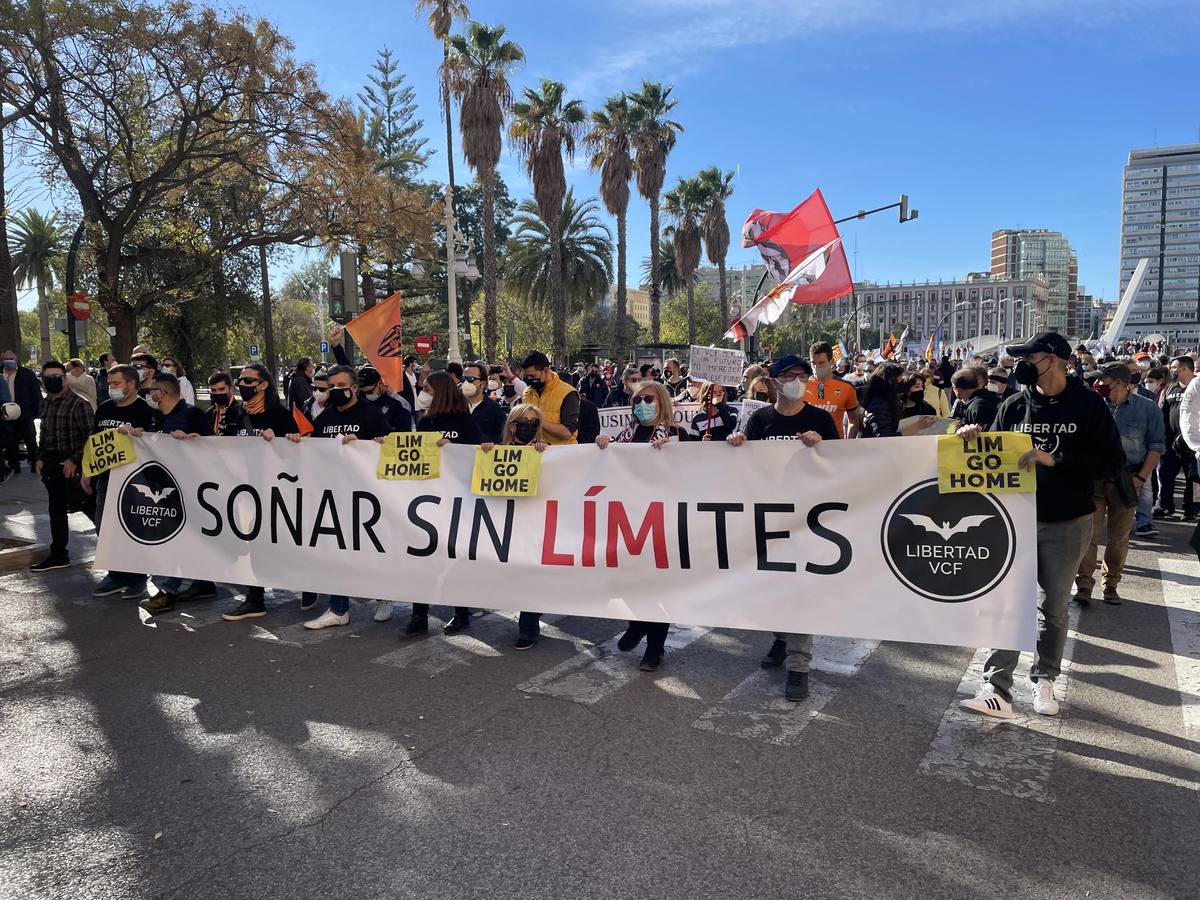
x=106, y=450
x=409, y=456
x=985, y=465
x=506, y=472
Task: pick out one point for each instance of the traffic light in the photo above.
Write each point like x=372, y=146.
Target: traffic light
x=337, y=301
x=905, y=215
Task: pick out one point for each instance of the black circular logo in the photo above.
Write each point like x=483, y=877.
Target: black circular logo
x=151, y=505
x=948, y=547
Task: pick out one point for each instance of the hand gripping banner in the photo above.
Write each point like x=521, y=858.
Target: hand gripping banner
x=850, y=538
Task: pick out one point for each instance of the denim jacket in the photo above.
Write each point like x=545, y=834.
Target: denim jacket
x=1140, y=424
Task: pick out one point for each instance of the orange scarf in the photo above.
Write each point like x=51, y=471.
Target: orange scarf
x=256, y=405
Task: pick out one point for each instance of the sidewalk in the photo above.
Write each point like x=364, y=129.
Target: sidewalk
x=24, y=519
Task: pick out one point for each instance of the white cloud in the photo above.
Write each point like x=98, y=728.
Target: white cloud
x=667, y=39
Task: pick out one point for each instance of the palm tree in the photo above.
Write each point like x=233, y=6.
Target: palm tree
x=670, y=281
x=442, y=14
x=684, y=205
x=610, y=142
x=37, y=243
x=717, y=189
x=654, y=138
x=544, y=125
x=586, y=268
x=477, y=73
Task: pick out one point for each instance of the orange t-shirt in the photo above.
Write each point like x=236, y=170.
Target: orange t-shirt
x=835, y=397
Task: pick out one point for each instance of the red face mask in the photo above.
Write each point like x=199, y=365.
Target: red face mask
x=1103, y=389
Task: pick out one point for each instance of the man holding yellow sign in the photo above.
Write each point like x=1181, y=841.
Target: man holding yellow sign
x=1074, y=444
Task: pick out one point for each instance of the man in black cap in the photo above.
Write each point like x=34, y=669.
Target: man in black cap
x=790, y=419
x=375, y=389
x=1075, y=443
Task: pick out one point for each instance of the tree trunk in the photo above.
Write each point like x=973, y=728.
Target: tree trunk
x=269, y=357
x=691, y=311
x=654, y=273
x=622, y=292
x=724, y=294
x=122, y=317
x=558, y=302
x=10, y=325
x=44, y=320
x=487, y=179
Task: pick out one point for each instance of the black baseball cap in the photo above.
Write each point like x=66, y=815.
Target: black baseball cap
x=1116, y=370
x=368, y=376
x=1044, y=342
x=790, y=361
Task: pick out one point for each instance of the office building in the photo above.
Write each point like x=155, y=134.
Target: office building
x=1160, y=221
x=637, y=304
x=982, y=304
x=1024, y=252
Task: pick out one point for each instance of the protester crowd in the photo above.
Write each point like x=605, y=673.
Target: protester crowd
x=1112, y=435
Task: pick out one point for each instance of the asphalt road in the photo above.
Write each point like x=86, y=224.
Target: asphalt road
x=190, y=757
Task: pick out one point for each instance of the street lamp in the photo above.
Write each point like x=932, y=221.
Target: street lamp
x=452, y=236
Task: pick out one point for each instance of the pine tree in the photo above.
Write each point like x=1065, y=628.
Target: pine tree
x=390, y=122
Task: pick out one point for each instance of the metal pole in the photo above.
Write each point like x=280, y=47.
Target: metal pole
x=72, y=255
x=454, y=355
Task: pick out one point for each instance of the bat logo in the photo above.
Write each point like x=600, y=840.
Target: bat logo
x=391, y=344
x=152, y=496
x=945, y=531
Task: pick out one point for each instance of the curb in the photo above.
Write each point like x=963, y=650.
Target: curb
x=16, y=558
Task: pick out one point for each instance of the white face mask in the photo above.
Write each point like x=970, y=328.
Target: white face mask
x=170, y=369
x=1144, y=365
x=424, y=400
x=469, y=389
x=493, y=384
x=995, y=387
x=1152, y=385
x=693, y=391
x=822, y=373
x=321, y=396
x=793, y=390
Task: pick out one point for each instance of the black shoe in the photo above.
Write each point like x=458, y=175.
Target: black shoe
x=50, y=562
x=197, y=591
x=416, y=625
x=651, y=661
x=1083, y=599
x=797, y=686
x=307, y=601
x=525, y=640
x=460, y=622
x=246, y=610
x=775, y=656
x=1189, y=517
x=1112, y=598
x=1160, y=513
x=631, y=638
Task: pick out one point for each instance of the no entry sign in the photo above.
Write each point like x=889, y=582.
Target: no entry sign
x=80, y=306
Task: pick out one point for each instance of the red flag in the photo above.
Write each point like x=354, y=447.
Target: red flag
x=301, y=420
x=785, y=240
x=378, y=332
x=774, y=303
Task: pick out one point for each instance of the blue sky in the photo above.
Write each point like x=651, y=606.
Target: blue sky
x=989, y=115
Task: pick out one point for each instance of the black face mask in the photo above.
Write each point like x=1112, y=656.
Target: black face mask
x=535, y=383
x=52, y=383
x=338, y=397
x=246, y=392
x=1026, y=373
x=220, y=399
x=525, y=432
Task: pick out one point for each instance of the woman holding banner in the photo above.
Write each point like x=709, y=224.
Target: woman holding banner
x=651, y=424
x=524, y=429
x=445, y=411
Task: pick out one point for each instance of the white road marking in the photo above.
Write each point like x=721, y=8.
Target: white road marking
x=599, y=670
x=437, y=653
x=1014, y=757
x=1181, y=595
x=757, y=710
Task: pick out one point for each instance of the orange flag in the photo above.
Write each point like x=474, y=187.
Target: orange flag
x=890, y=347
x=302, y=422
x=378, y=332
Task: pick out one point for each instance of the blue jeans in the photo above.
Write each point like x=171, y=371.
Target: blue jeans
x=1145, y=506
x=1169, y=468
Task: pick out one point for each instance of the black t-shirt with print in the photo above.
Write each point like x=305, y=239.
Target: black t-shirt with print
x=363, y=420
x=457, y=428
x=137, y=414
x=768, y=424
x=275, y=418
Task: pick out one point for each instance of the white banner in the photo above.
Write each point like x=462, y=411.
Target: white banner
x=848, y=538
x=615, y=419
x=716, y=365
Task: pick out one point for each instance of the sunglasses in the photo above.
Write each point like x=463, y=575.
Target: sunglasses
x=645, y=398
x=470, y=378
x=249, y=382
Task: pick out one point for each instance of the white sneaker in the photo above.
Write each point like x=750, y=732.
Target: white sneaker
x=328, y=618
x=988, y=703
x=383, y=610
x=1043, y=697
